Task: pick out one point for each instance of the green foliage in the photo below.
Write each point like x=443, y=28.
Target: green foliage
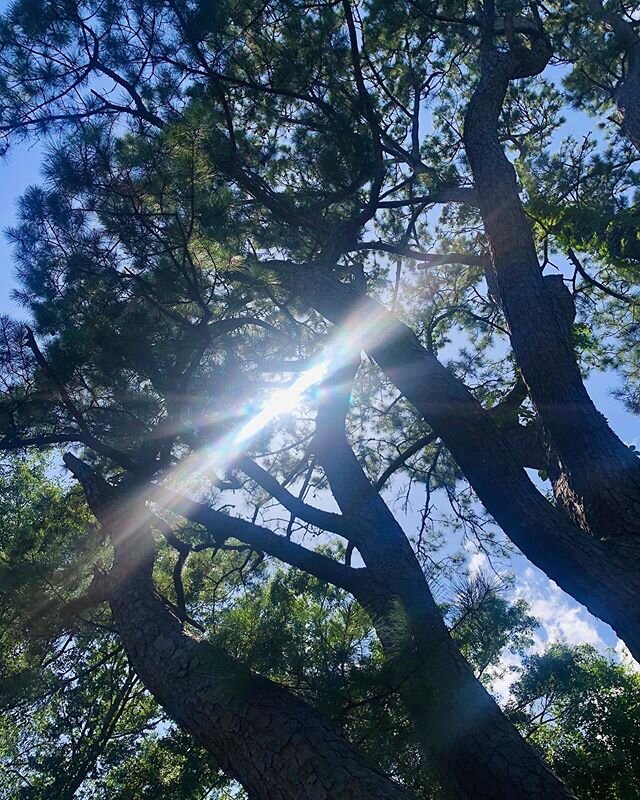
x=75, y=721
x=479, y=607
x=234, y=133
x=47, y=548
x=165, y=767
x=579, y=708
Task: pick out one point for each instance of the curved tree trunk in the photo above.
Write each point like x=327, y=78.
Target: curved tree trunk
x=627, y=93
x=602, y=575
x=627, y=99
x=476, y=752
x=278, y=747
x=599, y=484
x=273, y=743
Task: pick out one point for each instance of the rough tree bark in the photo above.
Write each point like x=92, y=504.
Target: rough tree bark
x=456, y=721
x=627, y=99
x=598, y=480
x=627, y=93
x=603, y=575
x=273, y=743
x=476, y=752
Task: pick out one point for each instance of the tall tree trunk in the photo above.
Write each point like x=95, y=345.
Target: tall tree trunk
x=627, y=99
x=627, y=92
x=273, y=743
x=476, y=752
x=600, y=476
x=602, y=575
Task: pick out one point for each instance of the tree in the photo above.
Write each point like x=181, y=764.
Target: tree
x=309, y=636
x=172, y=264
x=73, y=712
x=565, y=701
x=69, y=726
x=348, y=107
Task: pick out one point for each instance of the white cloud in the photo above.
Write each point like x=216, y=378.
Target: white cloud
x=625, y=656
x=561, y=618
x=476, y=563
x=501, y=686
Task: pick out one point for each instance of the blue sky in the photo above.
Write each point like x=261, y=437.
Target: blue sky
x=17, y=172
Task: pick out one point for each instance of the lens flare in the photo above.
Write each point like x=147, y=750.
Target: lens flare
x=366, y=328
x=282, y=401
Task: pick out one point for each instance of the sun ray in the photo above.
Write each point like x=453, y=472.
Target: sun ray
x=364, y=329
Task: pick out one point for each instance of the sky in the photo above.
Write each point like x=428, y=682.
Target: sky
x=560, y=615
x=20, y=170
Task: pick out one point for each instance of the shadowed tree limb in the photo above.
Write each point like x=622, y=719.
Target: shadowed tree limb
x=222, y=527
x=254, y=728
x=324, y=520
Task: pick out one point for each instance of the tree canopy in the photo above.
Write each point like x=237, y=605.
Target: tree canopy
x=310, y=293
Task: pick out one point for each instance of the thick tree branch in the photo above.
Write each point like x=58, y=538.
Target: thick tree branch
x=428, y=259
x=444, y=194
x=623, y=31
x=599, y=473
x=409, y=622
x=221, y=526
x=324, y=520
x=9, y=442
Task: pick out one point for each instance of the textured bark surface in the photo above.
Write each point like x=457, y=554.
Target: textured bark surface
x=273, y=743
x=604, y=576
x=476, y=752
x=627, y=93
x=627, y=99
x=600, y=476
